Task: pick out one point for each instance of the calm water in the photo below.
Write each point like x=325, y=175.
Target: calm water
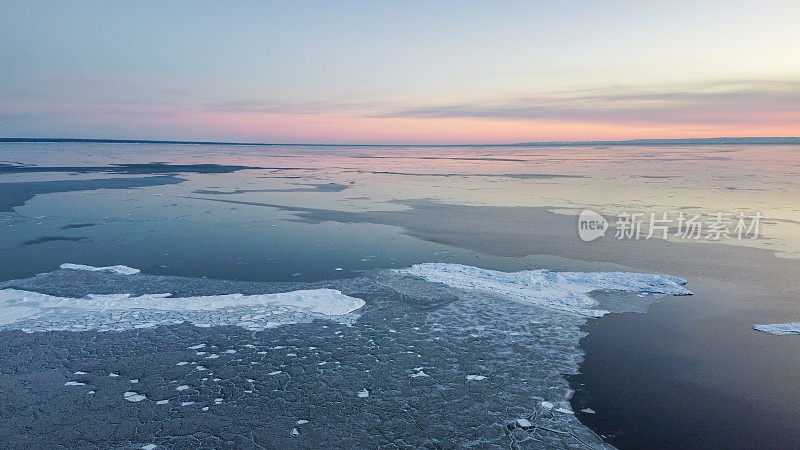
x=690, y=372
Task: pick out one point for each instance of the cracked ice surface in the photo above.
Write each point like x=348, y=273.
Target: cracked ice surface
x=355, y=383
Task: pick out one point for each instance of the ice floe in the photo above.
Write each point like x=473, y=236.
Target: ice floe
x=74, y=383
x=779, y=328
x=122, y=270
x=362, y=393
x=118, y=312
x=133, y=396
x=525, y=424
x=475, y=377
x=561, y=291
x=419, y=373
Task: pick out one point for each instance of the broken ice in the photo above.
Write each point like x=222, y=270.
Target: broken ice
x=561, y=291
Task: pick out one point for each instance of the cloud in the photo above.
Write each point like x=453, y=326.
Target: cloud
x=739, y=102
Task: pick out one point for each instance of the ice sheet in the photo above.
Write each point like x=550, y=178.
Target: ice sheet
x=513, y=354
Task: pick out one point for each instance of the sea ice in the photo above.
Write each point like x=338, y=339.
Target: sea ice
x=475, y=377
x=120, y=312
x=133, y=396
x=80, y=372
x=162, y=402
x=779, y=328
x=122, y=270
x=363, y=393
x=74, y=383
x=561, y=291
x=524, y=423
x=419, y=373
x=182, y=387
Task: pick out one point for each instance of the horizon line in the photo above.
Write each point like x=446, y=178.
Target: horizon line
x=763, y=140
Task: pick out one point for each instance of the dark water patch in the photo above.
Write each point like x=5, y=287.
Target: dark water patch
x=127, y=169
x=73, y=226
x=45, y=239
x=312, y=187
x=16, y=194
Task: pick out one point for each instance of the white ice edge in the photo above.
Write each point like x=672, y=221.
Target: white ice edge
x=779, y=328
x=18, y=304
x=122, y=270
x=560, y=291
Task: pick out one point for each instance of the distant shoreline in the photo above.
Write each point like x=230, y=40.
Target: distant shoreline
x=703, y=141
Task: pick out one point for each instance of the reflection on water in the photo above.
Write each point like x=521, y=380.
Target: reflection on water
x=307, y=213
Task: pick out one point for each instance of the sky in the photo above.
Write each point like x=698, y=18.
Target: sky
x=438, y=72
